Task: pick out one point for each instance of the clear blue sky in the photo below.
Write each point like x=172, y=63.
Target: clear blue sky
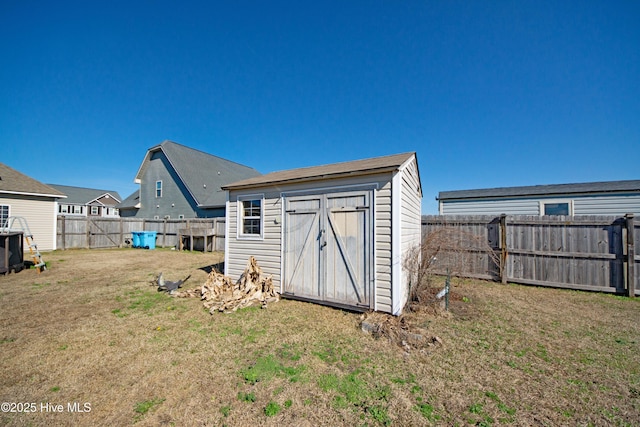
x=488, y=93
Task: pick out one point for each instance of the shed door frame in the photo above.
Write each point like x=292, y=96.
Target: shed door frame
x=324, y=235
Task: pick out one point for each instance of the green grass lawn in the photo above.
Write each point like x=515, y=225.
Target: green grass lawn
x=92, y=330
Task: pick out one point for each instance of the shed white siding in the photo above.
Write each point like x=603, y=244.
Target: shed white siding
x=382, y=262
x=395, y=219
x=266, y=250
x=410, y=223
x=40, y=213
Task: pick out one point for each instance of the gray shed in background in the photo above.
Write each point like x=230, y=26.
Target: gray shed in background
x=332, y=234
x=592, y=198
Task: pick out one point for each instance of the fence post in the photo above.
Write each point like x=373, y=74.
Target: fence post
x=164, y=233
x=121, y=239
x=631, y=253
x=503, y=248
x=63, y=230
x=88, y=234
x=214, y=243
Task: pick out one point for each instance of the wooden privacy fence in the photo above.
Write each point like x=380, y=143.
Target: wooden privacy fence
x=597, y=253
x=206, y=234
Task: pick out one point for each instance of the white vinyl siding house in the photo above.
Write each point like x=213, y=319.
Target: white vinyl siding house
x=332, y=234
x=37, y=203
x=40, y=213
x=615, y=198
x=88, y=202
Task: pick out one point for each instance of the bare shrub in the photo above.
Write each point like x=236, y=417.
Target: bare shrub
x=446, y=250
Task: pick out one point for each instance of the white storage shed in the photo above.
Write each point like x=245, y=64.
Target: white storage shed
x=333, y=234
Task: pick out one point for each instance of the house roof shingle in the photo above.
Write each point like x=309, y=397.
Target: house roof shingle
x=81, y=195
x=203, y=174
x=334, y=170
x=543, y=190
x=132, y=201
x=14, y=182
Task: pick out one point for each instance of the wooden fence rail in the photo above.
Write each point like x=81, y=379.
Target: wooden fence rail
x=597, y=253
x=206, y=234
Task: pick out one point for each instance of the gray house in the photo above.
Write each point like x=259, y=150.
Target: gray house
x=591, y=198
x=180, y=182
x=88, y=202
x=333, y=234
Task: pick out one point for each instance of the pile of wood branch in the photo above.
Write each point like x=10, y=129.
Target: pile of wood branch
x=221, y=294
x=400, y=330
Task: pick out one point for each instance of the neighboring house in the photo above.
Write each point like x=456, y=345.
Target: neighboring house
x=591, y=198
x=333, y=234
x=180, y=182
x=88, y=202
x=22, y=196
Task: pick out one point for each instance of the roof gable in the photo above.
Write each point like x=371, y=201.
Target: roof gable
x=334, y=170
x=202, y=174
x=544, y=190
x=14, y=182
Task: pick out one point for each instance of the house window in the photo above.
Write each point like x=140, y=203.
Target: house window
x=94, y=210
x=250, y=217
x=556, y=208
x=62, y=209
x=4, y=215
x=76, y=209
x=158, y=189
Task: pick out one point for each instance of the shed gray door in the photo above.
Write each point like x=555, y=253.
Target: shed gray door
x=328, y=248
x=302, y=247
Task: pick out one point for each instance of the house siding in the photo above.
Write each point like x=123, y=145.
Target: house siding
x=582, y=205
x=607, y=205
x=491, y=207
x=40, y=213
x=175, y=200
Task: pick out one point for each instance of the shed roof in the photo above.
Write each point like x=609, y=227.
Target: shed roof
x=334, y=170
x=14, y=182
x=82, y=195
x=202, y=174
x=544, y=190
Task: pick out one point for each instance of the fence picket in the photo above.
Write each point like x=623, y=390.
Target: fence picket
x=93, y=233
x=589, y=253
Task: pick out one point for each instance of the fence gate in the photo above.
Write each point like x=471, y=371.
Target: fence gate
x=327, y=248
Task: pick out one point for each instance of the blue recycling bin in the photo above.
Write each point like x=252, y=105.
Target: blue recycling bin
x=136, y=238
x=148, y=239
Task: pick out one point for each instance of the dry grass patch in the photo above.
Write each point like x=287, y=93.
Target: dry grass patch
x=92, y=330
